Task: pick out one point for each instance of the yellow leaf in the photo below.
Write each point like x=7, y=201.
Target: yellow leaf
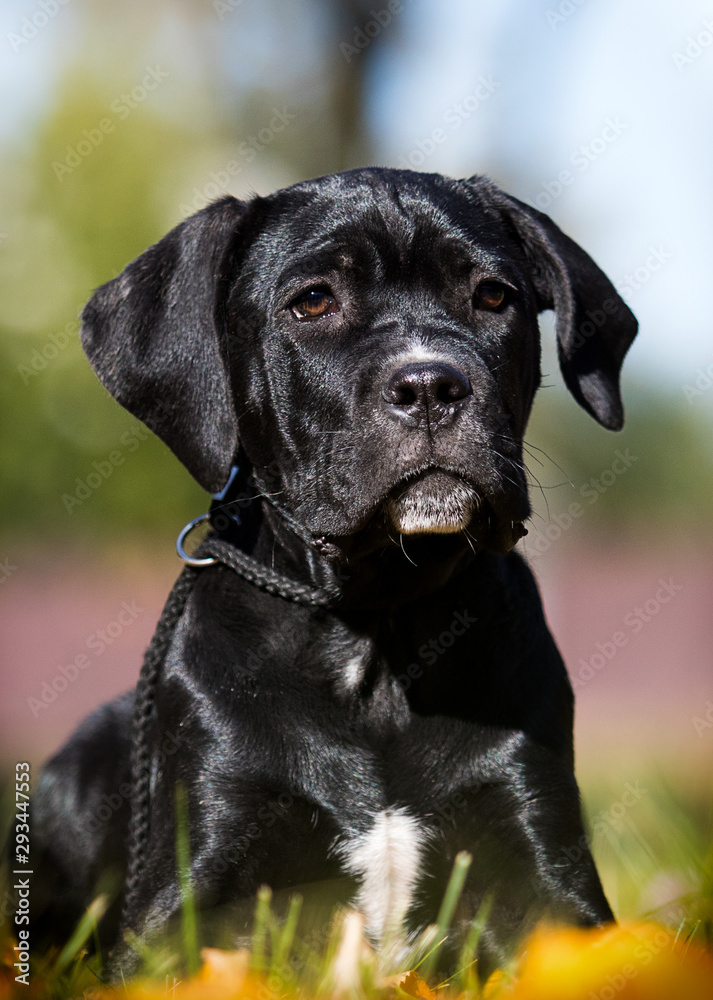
x=415, y=986
x=496, y=985
x=226, y=967
x=631, y=962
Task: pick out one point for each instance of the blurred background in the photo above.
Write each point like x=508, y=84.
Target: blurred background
x=119, y=120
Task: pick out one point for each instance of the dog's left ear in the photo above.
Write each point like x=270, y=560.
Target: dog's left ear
x=156, y=337
x=595, y=327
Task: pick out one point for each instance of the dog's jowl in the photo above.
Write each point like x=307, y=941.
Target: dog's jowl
x=361, y=683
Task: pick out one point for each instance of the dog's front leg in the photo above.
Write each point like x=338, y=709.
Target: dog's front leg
x=531, y=858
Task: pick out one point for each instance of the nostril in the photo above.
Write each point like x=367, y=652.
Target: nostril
x=399, y=392
x=448, y=390
x=433, y=384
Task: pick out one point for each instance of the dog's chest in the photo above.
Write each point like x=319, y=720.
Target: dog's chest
x=396, y=824
x=373, y=789
x=398, y=838
x=381, y=783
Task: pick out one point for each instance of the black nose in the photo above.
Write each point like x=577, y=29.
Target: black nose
x=426, y=389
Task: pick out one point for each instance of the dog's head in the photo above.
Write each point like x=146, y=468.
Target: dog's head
x=371, y=340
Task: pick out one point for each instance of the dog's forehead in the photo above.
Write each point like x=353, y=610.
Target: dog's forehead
x=367, y=214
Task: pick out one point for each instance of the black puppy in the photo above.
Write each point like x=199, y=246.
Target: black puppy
x=369, y=341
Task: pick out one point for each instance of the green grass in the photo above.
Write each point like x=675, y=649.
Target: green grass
x=656, y=860
x=189, y=921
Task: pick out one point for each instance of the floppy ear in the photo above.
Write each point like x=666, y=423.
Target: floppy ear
x=155, y=337
x=595, y=327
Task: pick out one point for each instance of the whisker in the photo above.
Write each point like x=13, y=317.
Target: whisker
x=469, y=539
x=528, y=445
x=511, y=440
x=401, y=539
x=549, y=459
x=389, y=536
x=536, y=513
x=267, y=496
x=542, y=491
x=530, y=455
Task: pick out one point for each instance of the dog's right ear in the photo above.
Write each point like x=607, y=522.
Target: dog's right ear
x=156, y=338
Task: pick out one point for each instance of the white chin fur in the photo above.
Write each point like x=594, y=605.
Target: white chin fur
x=416, y=512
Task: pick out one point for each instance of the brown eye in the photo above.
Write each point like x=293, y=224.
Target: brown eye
x=313, y=304
x=489, y=296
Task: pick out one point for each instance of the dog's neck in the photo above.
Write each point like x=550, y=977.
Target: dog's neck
x=368, y=570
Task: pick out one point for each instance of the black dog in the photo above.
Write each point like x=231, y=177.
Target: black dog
x=369, y=342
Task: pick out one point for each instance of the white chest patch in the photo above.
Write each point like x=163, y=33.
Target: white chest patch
x=387, y=860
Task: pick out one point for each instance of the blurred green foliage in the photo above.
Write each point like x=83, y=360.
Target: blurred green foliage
x=667, y=480
x=654, y=849
x=67, y=235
